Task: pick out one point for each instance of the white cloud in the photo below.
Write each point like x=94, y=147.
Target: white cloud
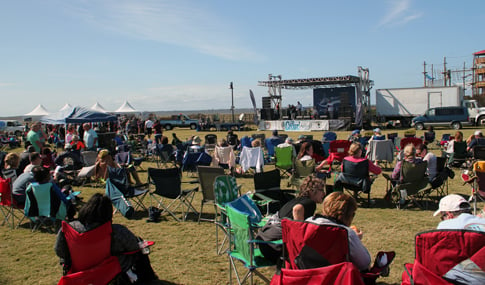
x=181, y=23
x=400, y=13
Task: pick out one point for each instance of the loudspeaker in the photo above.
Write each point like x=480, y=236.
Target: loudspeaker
x=267, y=114
x=266, y=102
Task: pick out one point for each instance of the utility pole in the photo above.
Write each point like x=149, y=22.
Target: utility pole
x=445, y=72
x=424, y=73
x=231, y=86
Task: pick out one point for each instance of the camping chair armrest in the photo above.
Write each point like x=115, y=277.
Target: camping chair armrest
x=264, y=199
x=258, y=241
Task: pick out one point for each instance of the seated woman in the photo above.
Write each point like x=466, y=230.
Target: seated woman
x=451, y=144
x=409, y=155
x=103, y=160
x=312, y=191
x=12, y=161
x=339, y=209
x=306, y=152
x=96, y=212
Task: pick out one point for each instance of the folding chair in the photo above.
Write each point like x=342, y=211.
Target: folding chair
x=355, y=177
x=326, y=139
x=410, y=140
x=268, y=193
x=270, y=144
x=225, y=157
x=439, y=184
x=477, y=183
x=164, y=155
x=244, y=217
x=191, y=160
x=210, y=141
x=10, y=209
x=225, y=190
x=302, y=170
x=89, y=157
x=43, y=207
x=207, y=176
x=251, y=158
x=429, y=137
x=439, y=251
x=168, y=185
x=381, y=151
x=459, y=155
x=284, y=160
x=412, y=185
x=119, y=178
x=245, y=141
x=308, y=246
x=338, y=150
x=97, y=267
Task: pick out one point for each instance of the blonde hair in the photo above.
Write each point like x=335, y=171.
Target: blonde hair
x=409, y=151
x=354, y=148
x=340, y=206
x=12, y=159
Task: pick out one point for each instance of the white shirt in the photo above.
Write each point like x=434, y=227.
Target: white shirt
x=148, y=124
x=463, y=221
x=432, y=164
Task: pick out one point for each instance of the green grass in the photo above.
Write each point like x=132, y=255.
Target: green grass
x=184, y=253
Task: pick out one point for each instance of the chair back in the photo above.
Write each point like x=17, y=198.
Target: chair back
x=123, y=158
x=225, y=189
x=232, y=139
x=479, y=152
x=283, y=157
x=251, y=157
x=225, y=155
x=339, y=149
x=192, y=159
x=246, y=206
x=119, y=178
x=42, y=201
x=270, y=144
x=262, y=137
x=210, y=139
x=329, y=136
x=269, y=180
x=304, y=168
x=207, y=176
x=407, y=140
x=354, y=174
x=118, y=199
x=89, y=157
x=429, y=137
x=6, y=192
x=392, y=136
x=89, y=248
x=342, y=273
x=413, y=176
x=328, y=244
x=459, y=150
x=441, y=250
x=167, y=181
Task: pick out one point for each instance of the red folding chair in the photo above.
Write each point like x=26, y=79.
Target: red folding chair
x=91, y=259
x=414, y=141
x=438, y=251
x=338, y=149
x=10, y=209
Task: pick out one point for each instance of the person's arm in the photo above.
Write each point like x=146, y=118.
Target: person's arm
x=374, y=168
x=298, y=212
x=396, y=172
x=359, y=255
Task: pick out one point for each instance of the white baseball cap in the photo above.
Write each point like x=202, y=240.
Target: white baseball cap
x=477, y=133
x=452, y=203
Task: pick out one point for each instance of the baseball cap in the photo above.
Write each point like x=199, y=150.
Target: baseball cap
x=477, y=133
x=452, y=203
x=377, y=130
x=196, y=140
x=354, y=132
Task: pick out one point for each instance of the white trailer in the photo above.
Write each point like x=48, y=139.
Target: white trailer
x=405, y=103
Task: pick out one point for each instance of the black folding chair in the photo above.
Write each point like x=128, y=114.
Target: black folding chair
x=167, y=184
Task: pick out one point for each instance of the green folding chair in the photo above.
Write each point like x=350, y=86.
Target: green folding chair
x=225, y=190
x=284, y=160
x=245, y=219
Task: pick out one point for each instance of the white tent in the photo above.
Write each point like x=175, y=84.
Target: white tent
x=38, y=111
x=97, y=107
x=126, y=108
x=66, y=107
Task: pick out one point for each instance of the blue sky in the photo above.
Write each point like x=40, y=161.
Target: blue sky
x=182, y=54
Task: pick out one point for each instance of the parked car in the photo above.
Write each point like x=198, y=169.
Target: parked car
x=14, y=127
x=454, y=117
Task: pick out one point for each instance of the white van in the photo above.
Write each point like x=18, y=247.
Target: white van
x=13, y=126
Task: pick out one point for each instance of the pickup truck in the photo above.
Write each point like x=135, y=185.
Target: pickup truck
x=180, y=120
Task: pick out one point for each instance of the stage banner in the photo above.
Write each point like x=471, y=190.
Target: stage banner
x=295, y=125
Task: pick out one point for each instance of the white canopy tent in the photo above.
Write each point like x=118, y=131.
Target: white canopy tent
x=66, y=107
x=97, y=107
x=126, y=108
x=38, y=111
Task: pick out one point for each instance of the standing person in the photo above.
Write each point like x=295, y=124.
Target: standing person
x=157, y=131
x=299, y=108
x=90, y=137
x=422, y=151
x=96, y=212
x=34, y=136
x=71, y=132
x=148, y=127
x=339, y=209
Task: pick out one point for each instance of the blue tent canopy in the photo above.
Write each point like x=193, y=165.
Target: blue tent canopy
x=77, y=115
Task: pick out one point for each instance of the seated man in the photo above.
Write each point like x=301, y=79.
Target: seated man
x=422, y=151
x=20, y=185
x=35, y=160
x=456, y=213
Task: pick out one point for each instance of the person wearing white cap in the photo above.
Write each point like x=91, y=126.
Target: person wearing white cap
x=378, y=136
x=456, y=213
x=477, y=139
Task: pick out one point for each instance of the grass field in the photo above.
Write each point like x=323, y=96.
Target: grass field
x=184, y=253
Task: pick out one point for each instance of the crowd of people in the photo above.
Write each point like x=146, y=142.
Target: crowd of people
x=33, y=168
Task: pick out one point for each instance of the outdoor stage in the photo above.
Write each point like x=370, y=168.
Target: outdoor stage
x=301, y=125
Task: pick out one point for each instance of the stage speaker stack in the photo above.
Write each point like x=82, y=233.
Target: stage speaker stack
x=266, y=102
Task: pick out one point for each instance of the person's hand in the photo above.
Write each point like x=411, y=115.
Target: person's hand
x=359, y=233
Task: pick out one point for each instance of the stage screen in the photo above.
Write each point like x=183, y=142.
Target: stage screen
x=330, y=101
